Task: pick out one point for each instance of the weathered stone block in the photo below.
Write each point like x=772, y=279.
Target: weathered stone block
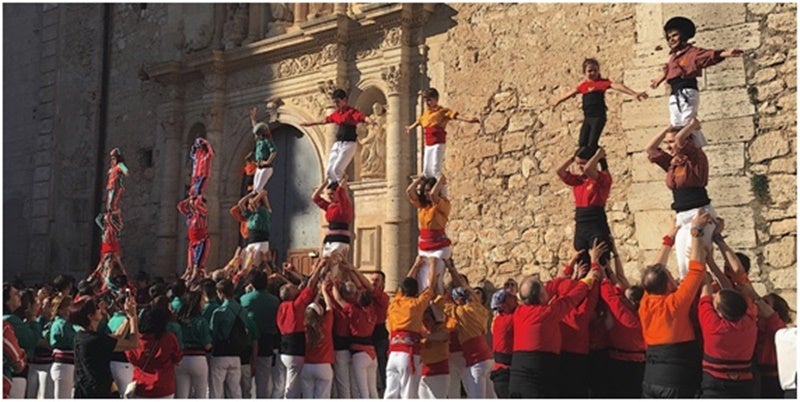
x=783, y=278
x=783, y=227
x=726, y=191
x=41, y=174
x=707, y=16
x=783, y=165
x=781, y=253
x=725, y=104
x=739, y=226
x=725, y=159
x=767, y=146
x=729, y=130
x=760, y=8
x=783, y=189
x=649, y=20
x=727, y=74
x=783, y=22
x=770, y=90
x=514, y=141
x=648, y=113
x=764, y=75
x=643, y=170
x=744, y=36
x=649, y=196
x=651, y=226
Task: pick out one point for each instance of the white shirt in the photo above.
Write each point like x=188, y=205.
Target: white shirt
x=786, y=347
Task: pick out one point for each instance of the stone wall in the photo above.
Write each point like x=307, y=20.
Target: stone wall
x=511, y=214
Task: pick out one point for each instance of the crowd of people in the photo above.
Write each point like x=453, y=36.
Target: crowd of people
x=254, y=328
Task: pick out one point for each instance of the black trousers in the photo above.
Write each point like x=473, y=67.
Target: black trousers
x=598, y=374
x=586, y=233
x=625, y=378
x=713, y=388
x=380, y=338
x=534, y=375
x=573, y=377
x=770, y=387
x=500, y=379
x=590, y=131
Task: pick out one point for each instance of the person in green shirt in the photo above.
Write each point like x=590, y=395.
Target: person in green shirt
x=212, y=302
x=226, y=366
x=254, y=210
x=62, y=340
x=262, y=308
x=191, y=375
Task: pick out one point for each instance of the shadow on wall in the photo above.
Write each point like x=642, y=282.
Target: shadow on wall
x=15, y=238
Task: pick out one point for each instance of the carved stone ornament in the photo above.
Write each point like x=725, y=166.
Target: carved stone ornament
x=308, y=62
x=392, y=38
x=393, y=77
x=372, y=138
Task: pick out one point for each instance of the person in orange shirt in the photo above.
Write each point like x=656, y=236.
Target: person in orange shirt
x=435, y=381
x=672, y=351
x=433, y=211
x=433, y=122
x=471, y=317
x=404, y=321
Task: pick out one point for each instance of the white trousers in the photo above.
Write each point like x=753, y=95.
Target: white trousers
x=433, y=162
x=683, y=239
x=294, y=367
x=63, y=380
x=191, y=378
x=246, y=382
x=478, y=383
x=19, y=386
x=263, y=377
x=278, y=377
x=682, y=108
x=434, y=386
x=400, y=381
x=122, y=374
x=39, y=376
x=339, y=158
x=226, y=374
x=363, y=375
x=317, y=381
x=261, y=178
x=330, y=248
x=424, y=270
x=458, y=374
x=341, y=374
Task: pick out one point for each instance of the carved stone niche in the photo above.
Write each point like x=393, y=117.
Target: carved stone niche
x=368, y=256
x=371, y=153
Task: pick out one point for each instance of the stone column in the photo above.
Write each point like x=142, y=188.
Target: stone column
x=396, y=226
x=255, y=29
x=340, y=8
x=172, y=127
x=214, y=80
x=300, y=12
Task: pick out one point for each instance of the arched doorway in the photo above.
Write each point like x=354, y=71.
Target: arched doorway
x=295, y=219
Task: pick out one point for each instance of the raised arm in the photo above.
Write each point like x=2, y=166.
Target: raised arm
x=666, y=246
x=337, y=297
x=563, y=170
x=467, y=119
x=437, y=188
x=687, y=130
x=411, y=192
x=451, y=267
x=618, y=276
x=412, y=273
x=555, y=102
x=132, y=342
x=652, y=146
x=622, y=88
x=655, y=82
x=591, y=165
x=723, y=281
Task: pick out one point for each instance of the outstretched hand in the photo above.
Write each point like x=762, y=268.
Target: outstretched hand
x=597, y=250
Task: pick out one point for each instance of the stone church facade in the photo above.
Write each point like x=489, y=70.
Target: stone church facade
x=83, y=78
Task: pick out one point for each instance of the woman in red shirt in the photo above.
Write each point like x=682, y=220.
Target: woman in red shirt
x=155, y=359
x=317, y=375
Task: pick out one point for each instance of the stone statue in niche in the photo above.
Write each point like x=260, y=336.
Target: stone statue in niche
x=372, y=139
x=281, y=17
x=235, y=28
x=316, y=10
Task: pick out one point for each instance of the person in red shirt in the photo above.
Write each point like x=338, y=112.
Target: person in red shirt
x=344, y=148
x=335, y=201
x=773, y=315
x=202, y=154
x=292, y=327
x=380, y=335
x=359, y=315
x=574, y=329
x=728, y=323
x=503, y=303
x=14, y=359
x=593, y=91
x=590, y=189
x=686, y=63
x=194, y=209
x=317, y=374
x=155, y=359
x=537, y=336
x=626, y=345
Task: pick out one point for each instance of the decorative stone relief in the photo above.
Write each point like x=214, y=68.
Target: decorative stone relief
x=392, y=38
x=235, y=28
x=393, y=77
x=369, y=247
x=317, y=10
x=307, y=62
x=372, y=138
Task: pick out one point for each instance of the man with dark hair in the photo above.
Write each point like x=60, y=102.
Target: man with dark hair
x=344, y=148
x=225, y=365
x=667, y=328
x=177, y=290
x=64, y=284
x=262, y=308
x=404, y=321
x=209, y=289
x=729, y=328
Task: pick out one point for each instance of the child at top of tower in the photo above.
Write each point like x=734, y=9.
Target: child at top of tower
x=434, y=121
x=686, y=63
x=593, y=90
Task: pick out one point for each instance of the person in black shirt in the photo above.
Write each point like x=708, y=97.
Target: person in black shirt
x=93, y=349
